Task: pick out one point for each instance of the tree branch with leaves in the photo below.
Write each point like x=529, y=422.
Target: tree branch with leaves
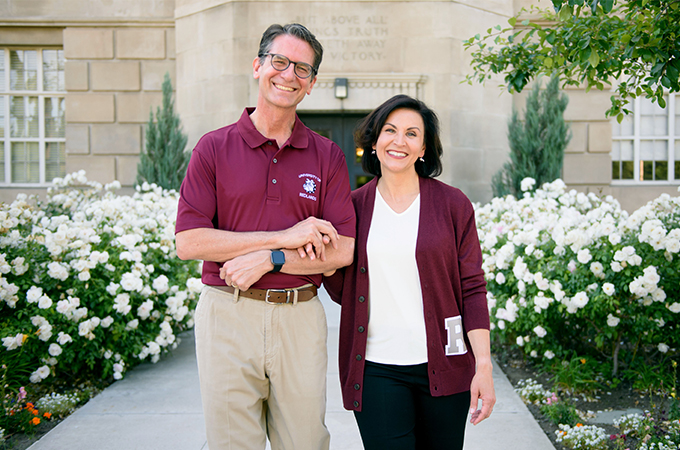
x=633, y=46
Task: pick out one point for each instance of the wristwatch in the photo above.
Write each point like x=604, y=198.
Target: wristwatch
x=278, y=259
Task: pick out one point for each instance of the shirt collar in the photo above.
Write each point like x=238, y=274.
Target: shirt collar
x=298, y=139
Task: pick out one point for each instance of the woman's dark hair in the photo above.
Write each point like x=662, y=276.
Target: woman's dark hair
x=292, y=29
x=367, y=132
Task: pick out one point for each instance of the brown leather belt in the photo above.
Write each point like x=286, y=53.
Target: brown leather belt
x=278, y=296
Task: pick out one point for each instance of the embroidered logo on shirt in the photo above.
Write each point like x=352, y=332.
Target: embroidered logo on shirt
x=309, y=185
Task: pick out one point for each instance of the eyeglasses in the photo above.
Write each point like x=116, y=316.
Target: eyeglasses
x=281, y=63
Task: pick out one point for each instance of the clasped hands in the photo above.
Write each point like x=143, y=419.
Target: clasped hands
x=308, y=238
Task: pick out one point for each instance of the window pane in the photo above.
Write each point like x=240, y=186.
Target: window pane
x=677, y=158
x=2, y=117
x=622, y=150
x=25, y=162
x=55, y=160
x=53, y=70
x=24, y=70
x=625, y=128
x=654, y=150
x=2, y=70
x=653, y=119
x=627, y=170
x=661, y=170
x=616, y=170
x=677, y=116
x=23, y=113
x=54, y=117
x=2, y=162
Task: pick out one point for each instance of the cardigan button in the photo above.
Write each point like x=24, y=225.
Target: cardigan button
x=357, y=387
x=358, y=357
x=362, y=270
x=356, y=404
x=361, y=329
x=361, y=299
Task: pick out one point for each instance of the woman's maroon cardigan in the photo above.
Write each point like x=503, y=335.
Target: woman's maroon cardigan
x=449, y=263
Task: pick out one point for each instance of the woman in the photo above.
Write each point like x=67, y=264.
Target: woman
x=414, y=370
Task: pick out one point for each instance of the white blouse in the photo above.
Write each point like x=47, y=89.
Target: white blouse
x=396, y=325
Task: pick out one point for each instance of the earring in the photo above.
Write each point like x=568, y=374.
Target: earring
x=421, y=159
x=373, y=152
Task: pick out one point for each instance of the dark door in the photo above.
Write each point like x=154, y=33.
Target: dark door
x=340, y=128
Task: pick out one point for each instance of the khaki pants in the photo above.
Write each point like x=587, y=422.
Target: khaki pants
x=262, y=371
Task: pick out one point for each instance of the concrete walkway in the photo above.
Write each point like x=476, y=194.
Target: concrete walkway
x=158, y=406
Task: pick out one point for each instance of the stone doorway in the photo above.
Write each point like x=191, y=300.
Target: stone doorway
x=339, y=127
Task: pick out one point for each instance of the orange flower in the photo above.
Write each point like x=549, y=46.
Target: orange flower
x=583, y=360
x=579, y=425
x=35, y=421
x=34, y=412
x=47, y=415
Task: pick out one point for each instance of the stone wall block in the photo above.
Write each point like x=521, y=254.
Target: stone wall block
x=153, y=73
x=90, y=108
x=170, y=43
x=579, y=137
x=76, y=76
x=135, y=108
x=600, y=137
x=140, y=43
x=88, y=43
x=116, y=76
x=587, y=169
x=100, y=168
x=126, y=170
x=116, y=139
x=77, y=139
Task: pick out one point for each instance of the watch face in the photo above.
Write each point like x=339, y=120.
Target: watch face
x=278, y=259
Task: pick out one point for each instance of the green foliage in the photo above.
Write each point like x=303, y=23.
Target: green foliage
x=634, y=46
x=164, y=161
x=537, y=143
x=577, y=374
x=561, y=412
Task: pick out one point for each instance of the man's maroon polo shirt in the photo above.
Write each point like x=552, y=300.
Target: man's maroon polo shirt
x=238, y=180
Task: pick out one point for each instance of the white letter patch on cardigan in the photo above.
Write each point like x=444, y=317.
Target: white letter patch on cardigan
x=456, y=342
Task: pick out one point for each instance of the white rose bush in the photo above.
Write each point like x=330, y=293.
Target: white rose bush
x=572, y=275
x=90, y=284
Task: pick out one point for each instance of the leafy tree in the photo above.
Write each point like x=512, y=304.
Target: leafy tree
x=633, y=45
x=164, y=162
x=537, y=144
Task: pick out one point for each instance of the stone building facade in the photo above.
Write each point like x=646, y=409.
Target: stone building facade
x=113, y=56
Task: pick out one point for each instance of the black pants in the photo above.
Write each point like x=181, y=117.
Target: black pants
x=399, y=413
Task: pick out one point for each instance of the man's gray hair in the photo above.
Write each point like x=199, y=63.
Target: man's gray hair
x=292, y=29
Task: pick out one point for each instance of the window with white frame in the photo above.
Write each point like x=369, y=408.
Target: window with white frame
x=646, y=144
x=32, y=138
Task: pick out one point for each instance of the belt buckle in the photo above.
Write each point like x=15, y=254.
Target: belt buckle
x=266, y=297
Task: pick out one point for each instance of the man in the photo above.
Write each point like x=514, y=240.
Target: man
x=266, y=205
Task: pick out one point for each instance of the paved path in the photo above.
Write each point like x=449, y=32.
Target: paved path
x=158, y=406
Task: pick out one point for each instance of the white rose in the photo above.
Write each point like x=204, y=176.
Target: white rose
x=54, y=350
x=34, y=294
x=663, y=348
x=584, y=256
x=548, y=354
x=44, y=302
x=675, y=307
x=540, y=331
x=608, y=289
x=612, y=321
x=63, y=338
